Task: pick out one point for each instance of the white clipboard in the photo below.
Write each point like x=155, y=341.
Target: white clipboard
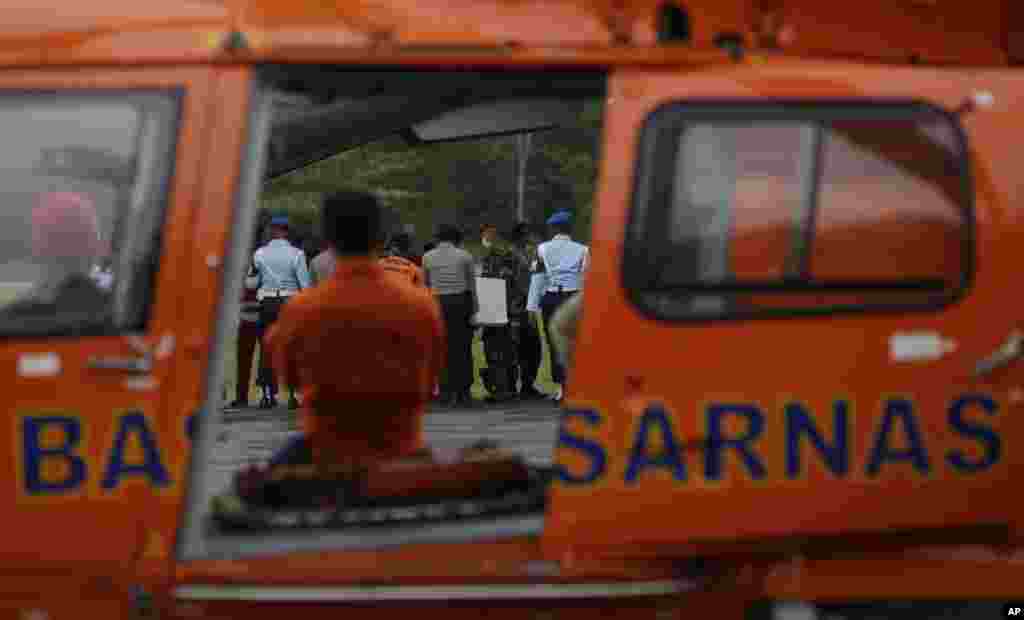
x=491, y=293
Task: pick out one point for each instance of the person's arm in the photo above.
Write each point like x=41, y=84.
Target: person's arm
x=301, y=270
x=538, y=284
x=426, y=271
x=252, y=279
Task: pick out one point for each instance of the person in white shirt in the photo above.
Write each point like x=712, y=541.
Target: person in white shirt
x=278, y=272
x=558, y=275
x=450, y=271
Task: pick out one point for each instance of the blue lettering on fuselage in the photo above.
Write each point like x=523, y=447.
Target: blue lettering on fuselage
x=151, y=466
x=979, y=432
x=52, y=462
x=592, y=450
x=897, y=440
x=36, y=456
x=718, y=443
x=800, y=422
x=670, y=456
x=898, y=413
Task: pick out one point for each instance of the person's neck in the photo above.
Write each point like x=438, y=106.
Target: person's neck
x=363, y=256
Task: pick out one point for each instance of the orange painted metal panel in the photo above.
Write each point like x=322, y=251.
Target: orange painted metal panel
x=814, y=362
x=119, y=31
x=88, y=537
x=954, y=573
x=110, y=540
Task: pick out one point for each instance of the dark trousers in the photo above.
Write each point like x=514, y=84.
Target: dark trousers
x=296, y=451
x=548, y=304
x=500, y=349
x=248, y=337
x=457, y=311
x=270, y=309
x=529, y=350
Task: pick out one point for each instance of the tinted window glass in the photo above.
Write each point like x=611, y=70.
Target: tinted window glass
x=743, y=210
x=83, y=183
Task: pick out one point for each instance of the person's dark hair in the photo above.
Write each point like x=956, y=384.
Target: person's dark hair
x=519, y=233
x=562, y=229
x=449, y=233
x=352, y=222
x=401, y=243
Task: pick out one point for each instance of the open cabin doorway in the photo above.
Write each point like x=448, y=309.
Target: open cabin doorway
x=463, y=148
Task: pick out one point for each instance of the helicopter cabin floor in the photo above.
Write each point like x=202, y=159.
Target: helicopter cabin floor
x=251, y=436
x=528, y=428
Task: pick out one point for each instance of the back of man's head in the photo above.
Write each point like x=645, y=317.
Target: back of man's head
x=65, y=226
x=519, y=233
x=351, y=222
x=562, y=228
x=401, y=243
x=449, y=233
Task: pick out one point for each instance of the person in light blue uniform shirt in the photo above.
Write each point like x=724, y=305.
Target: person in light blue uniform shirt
x=278, y=272
x=557, y=276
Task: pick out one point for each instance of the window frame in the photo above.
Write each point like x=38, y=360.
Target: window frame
x=649, y=168
x=174, y=97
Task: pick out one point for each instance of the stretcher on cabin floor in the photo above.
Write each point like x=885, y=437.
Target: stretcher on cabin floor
x=484, y=481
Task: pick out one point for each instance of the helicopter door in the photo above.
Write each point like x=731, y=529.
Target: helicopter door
x=90, y=339
x=793, y=315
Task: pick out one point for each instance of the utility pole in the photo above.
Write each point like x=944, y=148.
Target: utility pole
x=522, y=154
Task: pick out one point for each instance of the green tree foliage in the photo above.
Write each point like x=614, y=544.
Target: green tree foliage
x=461, y=183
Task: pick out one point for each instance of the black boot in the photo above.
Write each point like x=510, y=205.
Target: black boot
x=269, y=400
x=467, y=401
x=531, y=393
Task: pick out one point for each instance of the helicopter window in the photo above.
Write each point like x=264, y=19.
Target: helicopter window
x=744, y=210
x=82, y=178
x=459, y=147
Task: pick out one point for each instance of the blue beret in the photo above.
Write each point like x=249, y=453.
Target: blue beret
x=279, y=220
x=560, y=217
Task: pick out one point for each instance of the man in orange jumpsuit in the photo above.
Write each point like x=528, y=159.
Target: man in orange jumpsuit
x=398, y=260
x=367, y=404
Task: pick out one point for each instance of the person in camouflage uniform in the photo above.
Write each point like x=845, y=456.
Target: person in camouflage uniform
x=527, y=335
x=501, y=375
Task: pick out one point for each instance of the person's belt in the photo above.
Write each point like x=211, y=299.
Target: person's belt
x=261, y=295
x=559, y=289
